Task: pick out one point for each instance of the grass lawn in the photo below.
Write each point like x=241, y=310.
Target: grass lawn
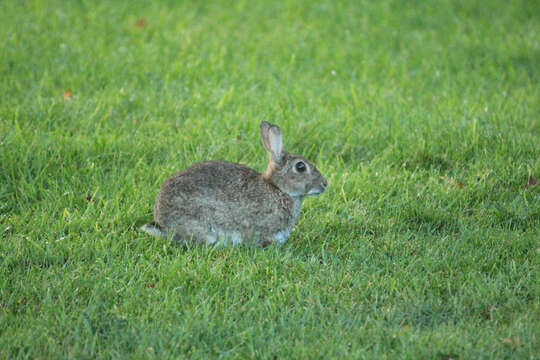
x=423, y=115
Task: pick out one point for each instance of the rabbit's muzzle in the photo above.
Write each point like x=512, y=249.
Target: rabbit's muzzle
x=318, y=187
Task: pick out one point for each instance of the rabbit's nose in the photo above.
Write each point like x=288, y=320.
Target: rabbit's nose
x=324, y=182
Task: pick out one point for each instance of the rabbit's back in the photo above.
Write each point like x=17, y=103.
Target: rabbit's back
x=219, y=200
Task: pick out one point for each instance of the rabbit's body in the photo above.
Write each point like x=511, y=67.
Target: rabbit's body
x=209, y=202
x=220, y=201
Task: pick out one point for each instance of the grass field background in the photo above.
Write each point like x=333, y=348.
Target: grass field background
x=423, y=115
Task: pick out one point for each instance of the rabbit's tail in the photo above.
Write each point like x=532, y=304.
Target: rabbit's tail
x=153, y=228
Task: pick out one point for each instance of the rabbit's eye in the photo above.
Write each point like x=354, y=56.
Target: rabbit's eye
x=300, y=166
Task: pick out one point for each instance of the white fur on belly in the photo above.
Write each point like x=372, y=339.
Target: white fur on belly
x=224, y=238
x=281, y=236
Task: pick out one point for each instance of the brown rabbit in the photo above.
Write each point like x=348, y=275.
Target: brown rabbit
x=220, y=201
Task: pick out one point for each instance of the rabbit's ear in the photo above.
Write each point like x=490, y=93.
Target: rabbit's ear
x=272, y=140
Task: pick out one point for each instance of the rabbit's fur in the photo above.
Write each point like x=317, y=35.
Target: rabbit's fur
x=220, y=201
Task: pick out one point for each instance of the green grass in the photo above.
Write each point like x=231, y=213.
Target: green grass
x=423, y=115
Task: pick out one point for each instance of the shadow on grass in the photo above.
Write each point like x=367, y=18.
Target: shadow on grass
x=427, y=162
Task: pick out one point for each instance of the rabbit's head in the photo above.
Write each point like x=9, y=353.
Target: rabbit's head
x=292, y=174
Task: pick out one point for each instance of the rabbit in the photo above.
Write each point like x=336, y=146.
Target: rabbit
x=225, y=202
